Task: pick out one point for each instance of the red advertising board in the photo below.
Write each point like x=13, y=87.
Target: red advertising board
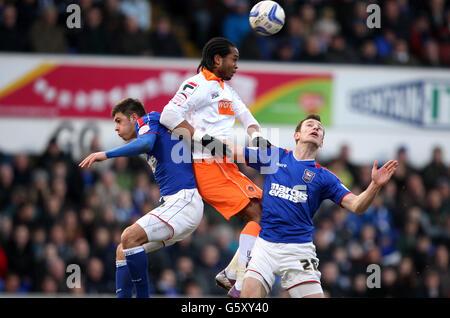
x=87, y=91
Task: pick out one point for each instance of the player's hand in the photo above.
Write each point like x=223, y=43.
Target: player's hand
x=217, y=147
x=93, y=157
x=259, y=141
x=381, y=176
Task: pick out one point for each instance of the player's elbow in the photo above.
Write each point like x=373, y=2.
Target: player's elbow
x=170, y=118
x=360, y=211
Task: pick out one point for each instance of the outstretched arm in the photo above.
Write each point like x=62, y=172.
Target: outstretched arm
x=360, y=203
x=141, y=145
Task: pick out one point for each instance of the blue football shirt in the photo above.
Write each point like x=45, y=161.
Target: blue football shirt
x=170, y=158
x=293, y=191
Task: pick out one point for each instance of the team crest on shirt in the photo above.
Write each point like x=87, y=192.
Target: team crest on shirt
x=250, y=188
x=308, y=175
x=144, y=129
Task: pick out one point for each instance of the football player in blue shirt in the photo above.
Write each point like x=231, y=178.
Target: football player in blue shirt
x=294, y=187
x=182, y=210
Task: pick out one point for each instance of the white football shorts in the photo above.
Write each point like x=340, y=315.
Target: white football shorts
x=174, y=220
x=296, y=264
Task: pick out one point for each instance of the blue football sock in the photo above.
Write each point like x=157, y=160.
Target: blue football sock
x=124, y=286
x=138, y=267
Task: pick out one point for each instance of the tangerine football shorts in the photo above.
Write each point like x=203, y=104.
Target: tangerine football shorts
x=223, y=186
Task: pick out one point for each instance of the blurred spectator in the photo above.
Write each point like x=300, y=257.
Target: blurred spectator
x=235, y=25
x=436, y=14
x=26, y=13
x=139, y=10
x=401, y=55
x=163, y=41
x=6, y=185
x=369, y=53
x=133, y=40
x=113, y=22
x=210, y=266
x=407, y=279
x=329, y=279
x=46, y=36
x=12, y=39
x=22, y=170
x=340, y=52
x=95, y=281
x=420, y=33
x=326, y=26
x=308, y=15
x=359, y=286
x=385, y=42
x=313, y=51
x=92, y=38
x=441, y=261
x=392, y=19
x=434, y=171
x=20, y=255
x=430, y=56
x=166, y=285
x=123, y=173
x=431, y=285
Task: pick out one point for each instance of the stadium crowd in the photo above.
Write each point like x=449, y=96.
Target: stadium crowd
x=53, y=214
x=412, y=32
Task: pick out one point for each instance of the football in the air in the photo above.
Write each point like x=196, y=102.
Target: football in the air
x=266, y=17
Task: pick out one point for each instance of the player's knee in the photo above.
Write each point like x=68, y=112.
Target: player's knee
x=128, y=238
x=119, y=253
x=133, y=236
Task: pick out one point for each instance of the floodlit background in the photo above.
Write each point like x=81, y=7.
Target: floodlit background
x=382, y=94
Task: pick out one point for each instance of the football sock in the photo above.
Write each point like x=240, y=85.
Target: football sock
x=246, y=242
x=138, y=267
x=124, y=286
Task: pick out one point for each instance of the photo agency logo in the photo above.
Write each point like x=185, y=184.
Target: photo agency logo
x=73, y=21
x=182, y=150
x=373, y=21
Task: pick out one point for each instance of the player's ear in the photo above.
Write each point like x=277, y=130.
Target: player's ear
x=134, y=117
x=218, y=60
x=296, y=136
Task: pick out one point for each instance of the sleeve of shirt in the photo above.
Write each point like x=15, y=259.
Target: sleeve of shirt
x=142, y=144
x=334, y=190
x=264, y=160
x=184, y=100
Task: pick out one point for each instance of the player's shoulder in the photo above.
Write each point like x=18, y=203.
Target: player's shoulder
x=148, y=118
x=193, y=83
x=154, y=115
x=325, y=172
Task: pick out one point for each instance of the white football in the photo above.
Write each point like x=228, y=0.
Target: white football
x=266, y=17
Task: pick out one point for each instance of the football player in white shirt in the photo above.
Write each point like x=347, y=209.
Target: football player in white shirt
x=205, y=109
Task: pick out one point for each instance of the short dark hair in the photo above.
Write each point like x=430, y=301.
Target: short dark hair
x=217, y=45
x=129, y=106
x=310, y=116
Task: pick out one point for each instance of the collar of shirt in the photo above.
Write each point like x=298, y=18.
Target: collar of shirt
x=209, y=76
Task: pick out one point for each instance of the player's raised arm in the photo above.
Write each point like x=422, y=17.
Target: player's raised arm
x=141, y=145
x=359, y=203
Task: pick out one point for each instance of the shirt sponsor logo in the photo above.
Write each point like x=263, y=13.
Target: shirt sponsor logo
x=297, y=194
x=226, y=107
x=190, y=87
x=282, y=165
